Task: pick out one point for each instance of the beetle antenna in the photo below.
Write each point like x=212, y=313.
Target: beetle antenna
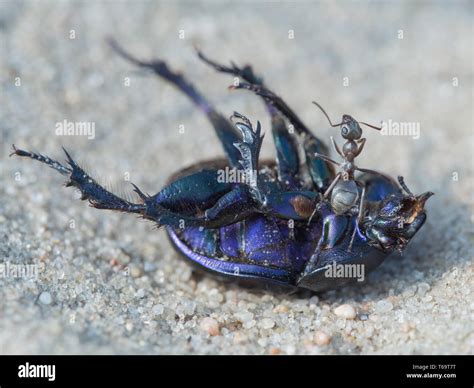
x=404, y=186
x=371, y=126
x=325, y=114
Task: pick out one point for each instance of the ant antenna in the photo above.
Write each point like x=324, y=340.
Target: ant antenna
x=371, y=126
x=337, y=125
x=325, y=114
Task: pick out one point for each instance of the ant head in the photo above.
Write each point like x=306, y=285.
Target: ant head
x=350, y=128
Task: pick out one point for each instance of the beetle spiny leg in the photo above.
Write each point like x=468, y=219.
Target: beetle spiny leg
x=224, y=130
x=98, y=196
x=143, y=197
x=249, y=149
x=43, y=159
x=246, y=72
x=276, y=101
x=241, y=117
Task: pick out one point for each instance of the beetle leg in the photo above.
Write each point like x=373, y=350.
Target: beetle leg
x=321, y=172
x=249, y=148
x=98, y=196
x=223, y=128
x=246, y=73
x=285, y=140
x=230, y=208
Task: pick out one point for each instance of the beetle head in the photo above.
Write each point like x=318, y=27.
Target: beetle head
x=396, y=219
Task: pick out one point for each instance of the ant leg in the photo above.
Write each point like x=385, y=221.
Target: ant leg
x=336, y=147
x=98, y=196
x=334, y=182
x=286, y=144
x=359, y=219
x=361, y=146
x=327, y=159
x=223, y=128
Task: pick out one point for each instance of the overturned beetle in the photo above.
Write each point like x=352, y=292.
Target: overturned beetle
x=282, y=223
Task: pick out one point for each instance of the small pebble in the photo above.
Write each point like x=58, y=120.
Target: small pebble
x=407, y=327
x=149, y=267
x=267, y=323
x=345, y=311
x=135, y=271
x=249, y=324
x=363, y=317
x=275, y=351
x=281, y=308
x=423, y=288
x=383, y=306
x=240, y=338
x=210, y=325
x=321, y=338
x=45, y=298
x=158, y=309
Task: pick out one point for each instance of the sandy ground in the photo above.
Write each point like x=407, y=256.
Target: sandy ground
x=109, y=283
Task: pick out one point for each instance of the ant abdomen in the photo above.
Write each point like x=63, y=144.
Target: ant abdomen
x=344, y=196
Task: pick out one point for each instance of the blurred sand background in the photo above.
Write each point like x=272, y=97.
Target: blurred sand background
x=112, y=284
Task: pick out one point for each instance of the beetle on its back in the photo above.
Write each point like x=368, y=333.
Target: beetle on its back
x=278, y=226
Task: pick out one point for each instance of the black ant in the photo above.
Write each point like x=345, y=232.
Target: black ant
x=345, y=192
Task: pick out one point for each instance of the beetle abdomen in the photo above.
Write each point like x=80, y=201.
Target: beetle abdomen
x=256, y=247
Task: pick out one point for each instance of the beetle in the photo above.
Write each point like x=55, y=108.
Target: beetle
x=274, y=227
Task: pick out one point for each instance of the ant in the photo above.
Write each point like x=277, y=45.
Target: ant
x=345, y=193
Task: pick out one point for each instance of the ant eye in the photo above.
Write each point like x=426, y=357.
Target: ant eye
x=345, y=130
